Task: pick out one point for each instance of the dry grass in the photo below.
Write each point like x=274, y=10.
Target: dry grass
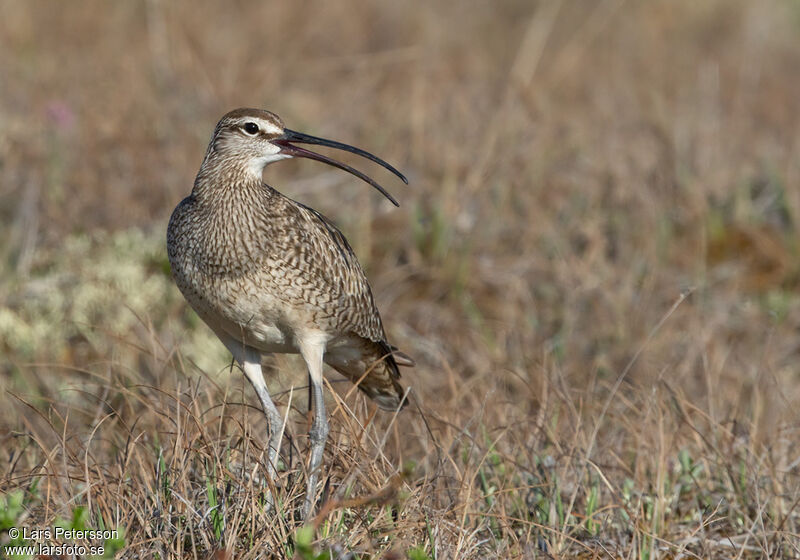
x=595, y=267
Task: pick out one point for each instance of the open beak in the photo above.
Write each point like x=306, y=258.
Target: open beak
x=290, y=137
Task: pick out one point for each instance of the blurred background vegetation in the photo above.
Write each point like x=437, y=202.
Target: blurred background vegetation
x=595, y=264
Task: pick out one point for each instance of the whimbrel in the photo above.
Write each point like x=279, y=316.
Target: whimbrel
x=270, y=275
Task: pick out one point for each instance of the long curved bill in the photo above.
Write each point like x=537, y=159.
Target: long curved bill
x=287, y=147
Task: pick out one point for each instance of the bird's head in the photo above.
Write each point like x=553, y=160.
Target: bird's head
x=256, y=138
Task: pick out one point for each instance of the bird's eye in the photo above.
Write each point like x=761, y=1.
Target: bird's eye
x=251, y=128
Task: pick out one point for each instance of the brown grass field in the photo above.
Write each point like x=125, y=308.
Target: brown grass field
x=595, y=267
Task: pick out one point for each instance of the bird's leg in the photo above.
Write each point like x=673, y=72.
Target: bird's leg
x=250, y=360
x=312, y=354
x=252, y=370
x=318, y=435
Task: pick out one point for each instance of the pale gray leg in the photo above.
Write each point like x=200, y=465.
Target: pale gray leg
x=252, y=370
x=312, y=351
x=250, y=360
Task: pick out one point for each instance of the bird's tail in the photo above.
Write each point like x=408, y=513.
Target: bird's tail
x=373, y=367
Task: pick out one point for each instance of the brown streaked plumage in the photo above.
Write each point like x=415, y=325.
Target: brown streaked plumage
x=269, y=274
